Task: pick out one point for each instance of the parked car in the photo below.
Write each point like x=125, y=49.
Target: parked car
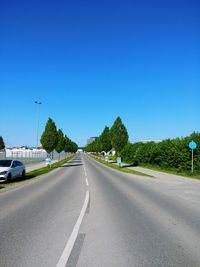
x=11, y=169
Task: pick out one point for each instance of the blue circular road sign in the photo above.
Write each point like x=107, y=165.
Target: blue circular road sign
x=192, y=145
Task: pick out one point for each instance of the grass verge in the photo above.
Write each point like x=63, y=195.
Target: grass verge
x=33, y=174
x=122, y=169
x=47, y=169
x=171, y=171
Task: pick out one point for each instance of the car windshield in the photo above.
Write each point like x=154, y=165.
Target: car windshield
x=5, y=163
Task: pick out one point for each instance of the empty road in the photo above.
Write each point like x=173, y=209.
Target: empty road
x=86, y=214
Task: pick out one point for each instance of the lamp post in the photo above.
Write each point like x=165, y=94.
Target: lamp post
x=38, y=103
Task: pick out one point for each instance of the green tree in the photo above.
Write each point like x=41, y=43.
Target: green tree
x=119, y=135
x=49, y=138
x=2, y=145
x=69, y=145
x=74, y=147
x=93, y=147
x=104, y=140
x=61, y=142
x=66, y=144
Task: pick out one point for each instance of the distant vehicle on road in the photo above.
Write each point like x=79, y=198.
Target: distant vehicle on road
x=11, y=169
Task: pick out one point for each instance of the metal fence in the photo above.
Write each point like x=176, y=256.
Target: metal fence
x=30, y=156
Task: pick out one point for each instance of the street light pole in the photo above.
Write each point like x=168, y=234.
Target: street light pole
x=37, y=125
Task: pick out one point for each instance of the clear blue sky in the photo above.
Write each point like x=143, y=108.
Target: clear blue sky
x=91, y=61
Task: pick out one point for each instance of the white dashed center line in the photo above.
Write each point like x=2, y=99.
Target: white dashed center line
x=70, y=244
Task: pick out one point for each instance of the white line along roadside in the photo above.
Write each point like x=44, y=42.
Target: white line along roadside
x=87, y=183
x=70, y=244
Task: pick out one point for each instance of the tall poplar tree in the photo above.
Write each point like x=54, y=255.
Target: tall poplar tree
x=49, y=138
x=104, y=140
x=119, y=135
x=61, y=142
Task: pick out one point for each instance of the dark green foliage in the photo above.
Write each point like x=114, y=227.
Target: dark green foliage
x=52, y=139
x=196, y=137
x=73, y=147
x=69, y=145
x=93, y=147
x=2, y=145
x=119, y=135
x=168, y=154
x=61, y=142
x=104, y=140
x=66, y=144
x=116, y=138
x=49, y=138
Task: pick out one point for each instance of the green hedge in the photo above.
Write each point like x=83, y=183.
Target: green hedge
x=169, y=153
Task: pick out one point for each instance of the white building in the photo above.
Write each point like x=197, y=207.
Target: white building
x=91, y=140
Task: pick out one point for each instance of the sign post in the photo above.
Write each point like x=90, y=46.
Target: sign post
x=192, y=146
x=48, y=162
x=106, y=159
x=119, y=161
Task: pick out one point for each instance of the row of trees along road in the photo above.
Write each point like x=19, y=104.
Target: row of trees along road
x=55, y=139
x=172, y=154
x=2, y=144
x=114, y=138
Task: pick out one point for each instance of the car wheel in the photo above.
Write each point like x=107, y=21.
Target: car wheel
x=23, y=174
x=9, y=178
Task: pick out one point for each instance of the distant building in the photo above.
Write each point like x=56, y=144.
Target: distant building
x=148, y=141
x=91, y=140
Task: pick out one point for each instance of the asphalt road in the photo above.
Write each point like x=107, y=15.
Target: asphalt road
x=129, y=220
x=36, y=220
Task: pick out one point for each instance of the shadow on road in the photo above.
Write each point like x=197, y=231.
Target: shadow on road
x=71, y=165
x=128, y=165
x=75, y=161
x=16, y=181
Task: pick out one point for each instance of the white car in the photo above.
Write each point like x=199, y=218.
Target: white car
x=11, y=169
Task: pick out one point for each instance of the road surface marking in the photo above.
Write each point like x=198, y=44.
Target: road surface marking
x=87, y=183
x=69, y=246
x=85, y=171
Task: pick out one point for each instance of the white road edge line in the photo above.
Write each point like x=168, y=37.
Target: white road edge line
x=87, y=183
x=70, y=243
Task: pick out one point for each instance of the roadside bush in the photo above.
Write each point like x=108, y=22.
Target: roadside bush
x=168, y=154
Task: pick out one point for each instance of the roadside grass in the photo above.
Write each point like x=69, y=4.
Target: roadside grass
x=34, y=174
x=171, y=171
x=122, y=169
x=113, y=158
x=48, y=169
